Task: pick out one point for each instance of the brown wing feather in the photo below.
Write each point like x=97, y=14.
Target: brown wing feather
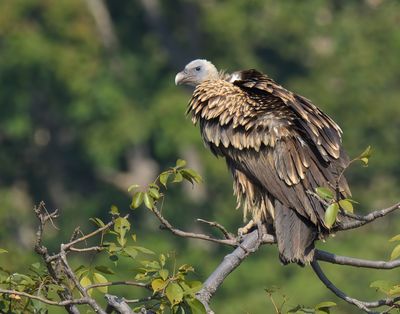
x=296, y=146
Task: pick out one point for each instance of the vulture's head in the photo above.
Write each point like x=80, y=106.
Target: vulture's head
x=196, y=72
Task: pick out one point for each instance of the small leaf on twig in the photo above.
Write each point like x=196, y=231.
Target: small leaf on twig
x=164, y=178
x=104, y=269
x=381, y=285
x=174, y=293
x=346, y=205
x=132, y=187
x=158, y=284
x=137, y=200
x=164, y=274
x=365, y=155
x=180, y=163
x=395, y=238
x=148, y=201
x=114, y=210
x=99, y=278
x=196, y=306
x=178, y=178
x=395, y=253
x=331, y=214
x=325, y=193
x=153, y=192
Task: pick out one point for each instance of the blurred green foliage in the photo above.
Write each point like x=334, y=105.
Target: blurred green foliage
x=80, y=120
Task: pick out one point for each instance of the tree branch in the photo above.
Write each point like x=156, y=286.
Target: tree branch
x=250, y=243
x=356, y=262
x=365, y=306
x=168, y=226
x=44, y=300
x=366, y=219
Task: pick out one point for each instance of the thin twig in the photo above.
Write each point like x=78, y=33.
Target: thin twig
x=220, y=227
x=366, y=219
x=44, y=300
x=87, y=249
x=168, y=226
x=118, y=283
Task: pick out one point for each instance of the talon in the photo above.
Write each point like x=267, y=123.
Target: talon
x=245, y=229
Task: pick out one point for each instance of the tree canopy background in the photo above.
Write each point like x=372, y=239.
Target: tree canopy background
x=88, y=106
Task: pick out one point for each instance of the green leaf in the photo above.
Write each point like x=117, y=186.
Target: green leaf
x=164, y=273
x=196, y=306
x=99, y=278
x=366, y=153
x=381, y=285
x=3, y=251
x=143, y=250
x=122, y=226
x=395, y=253
x=178, y=178
x=185, y=268
x=131, y=251
x=395, y=290
x=190, y=173
x=346, y=205
x=364, y=160
x=98, y=222
x=114, y=210
x=325, y=193
x=395, y=238
x=154, y=193
x=324, y=305
x=158, y=284
x=85, y=281
x=104, y=269
x=174, y=293
x=191, y=287
x=137, y=200
x=164, y=178
x=162, y=259
x=148, y=201
x=151, y=265
x=180, y=163
x=133, y=186
x=331, y=214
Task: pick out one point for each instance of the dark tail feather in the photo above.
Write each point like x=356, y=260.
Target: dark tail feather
x=294, y=235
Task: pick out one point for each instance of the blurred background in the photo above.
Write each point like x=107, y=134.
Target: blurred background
x=88, y=106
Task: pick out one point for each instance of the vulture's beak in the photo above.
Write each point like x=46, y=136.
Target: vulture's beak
x=180, y=78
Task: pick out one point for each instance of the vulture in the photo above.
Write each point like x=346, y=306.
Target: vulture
x=279, y=147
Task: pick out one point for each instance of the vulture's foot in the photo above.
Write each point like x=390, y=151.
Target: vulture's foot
x=251, y=226
x=246, y=229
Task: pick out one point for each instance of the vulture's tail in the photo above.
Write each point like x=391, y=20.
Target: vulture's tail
x=294, y=235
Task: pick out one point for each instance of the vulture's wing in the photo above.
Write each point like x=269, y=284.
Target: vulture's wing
x=279, y=140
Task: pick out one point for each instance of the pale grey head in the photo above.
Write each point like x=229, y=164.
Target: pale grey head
x=196, y=72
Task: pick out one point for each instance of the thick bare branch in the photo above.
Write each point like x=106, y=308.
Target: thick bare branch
x=250, y=243
x=117, y=304
x=365, y=306
x=356, y=262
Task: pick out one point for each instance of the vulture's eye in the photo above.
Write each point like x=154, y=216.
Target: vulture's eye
x=198, y=69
